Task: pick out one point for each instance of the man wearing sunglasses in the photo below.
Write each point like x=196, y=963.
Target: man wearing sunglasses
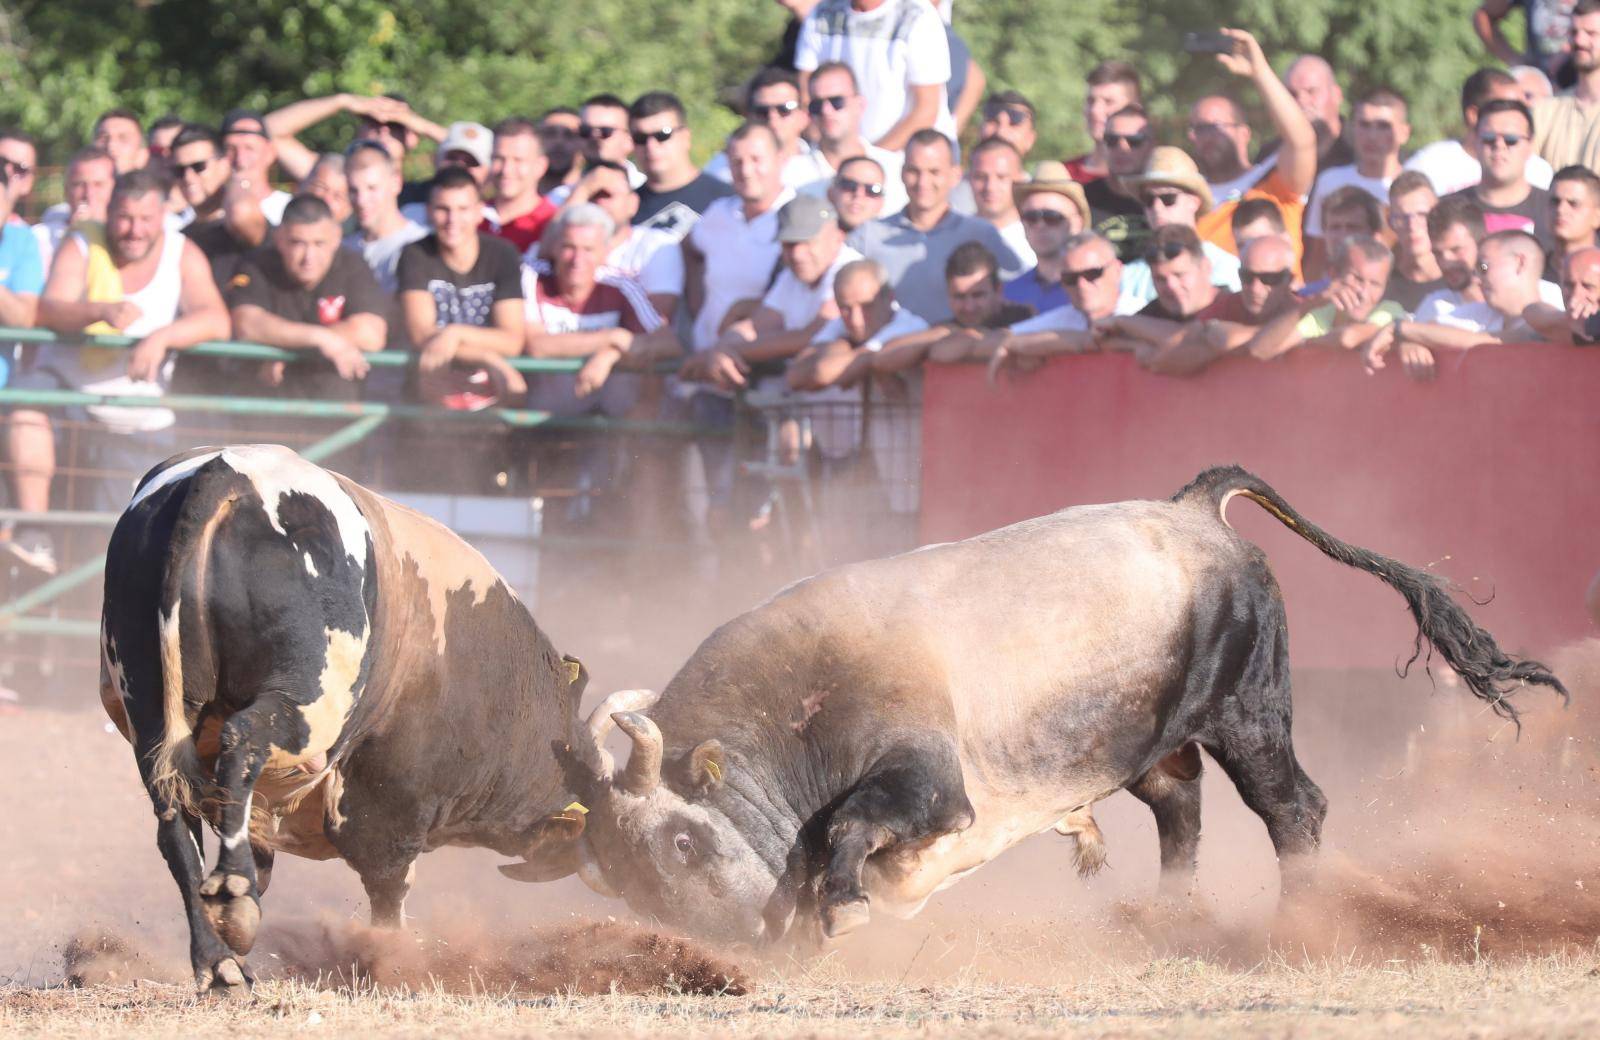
x=1505, y=144
x=858, y=192
x=1007, y=116
x=1348, y=315
x=900, y=56
x=389, y=120
x=224, y=233
x=20, y=157
x=1091, y=275
x=1452, y=164
x=1175, y=195
x=1052, y=210
x=1111, y=86
x=1114, y=207
x=772, y=99
x=603, y=135
x=836, y=107
x=675, y=191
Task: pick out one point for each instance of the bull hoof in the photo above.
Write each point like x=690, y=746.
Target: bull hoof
x=228, y=979
x=843, y=918
x=232, y=909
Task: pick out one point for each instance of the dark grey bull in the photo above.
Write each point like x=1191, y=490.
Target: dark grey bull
x=870, y=735
x=316, y=670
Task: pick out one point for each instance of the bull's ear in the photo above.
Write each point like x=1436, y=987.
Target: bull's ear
x=577, y=674
x=707, y=766
x=553, y=852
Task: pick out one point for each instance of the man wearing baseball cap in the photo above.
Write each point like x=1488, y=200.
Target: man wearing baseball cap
x=798, y=303
x=1053, y=208
x=1174, y=194
x=251, y=154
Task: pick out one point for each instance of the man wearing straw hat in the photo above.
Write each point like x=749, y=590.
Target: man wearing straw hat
x=1174, y=194
x=1053, y=208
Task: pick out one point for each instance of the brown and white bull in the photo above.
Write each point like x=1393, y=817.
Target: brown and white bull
x=870, y=735
x=316, y=670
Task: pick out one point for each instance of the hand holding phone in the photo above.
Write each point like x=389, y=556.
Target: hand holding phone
x=1208, y=43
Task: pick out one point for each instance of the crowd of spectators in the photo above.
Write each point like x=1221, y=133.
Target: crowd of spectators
x=839, y=240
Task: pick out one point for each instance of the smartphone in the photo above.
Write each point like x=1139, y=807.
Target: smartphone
x=1207, y=43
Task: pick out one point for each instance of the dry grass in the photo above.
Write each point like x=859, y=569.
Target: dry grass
x=1555, y=996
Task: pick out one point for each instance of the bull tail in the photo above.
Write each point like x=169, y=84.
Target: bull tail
x=188, y=656
x=1488, y=671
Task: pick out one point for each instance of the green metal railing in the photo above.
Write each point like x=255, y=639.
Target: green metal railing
x=365, y=416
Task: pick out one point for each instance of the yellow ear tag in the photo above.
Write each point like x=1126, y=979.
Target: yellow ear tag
x=574, y=669
x=714, y=769
x=577, y=807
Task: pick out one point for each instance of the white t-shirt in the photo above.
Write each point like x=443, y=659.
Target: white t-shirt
x=800, y=303
x=383, y=254
x=741, y=257
x=1331, y=180
x=651, y=257
x=894, y=187
x=1451, y=168
x=272, y=207
x=1447, y=307
x=1014, y=236
x=898, y=45
x=1233, y=190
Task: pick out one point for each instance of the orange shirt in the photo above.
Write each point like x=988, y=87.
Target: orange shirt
x=1216, y=227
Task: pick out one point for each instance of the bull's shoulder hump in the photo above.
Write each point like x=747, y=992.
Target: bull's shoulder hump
x=165, y=474
x=275, y=471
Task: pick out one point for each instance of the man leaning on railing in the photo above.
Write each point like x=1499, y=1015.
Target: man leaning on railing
x=132, y=276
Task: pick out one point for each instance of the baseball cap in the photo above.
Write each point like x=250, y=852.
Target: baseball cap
x=475, y=139
x=803, y=217
x=235, y=116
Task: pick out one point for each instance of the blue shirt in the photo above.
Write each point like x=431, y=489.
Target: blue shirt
x=915, y=259
x=20, y=268
x=1027, y=289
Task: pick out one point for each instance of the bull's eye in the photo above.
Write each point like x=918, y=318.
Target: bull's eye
x=685, y=846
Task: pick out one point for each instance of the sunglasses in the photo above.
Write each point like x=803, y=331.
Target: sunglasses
x=1047, y=217
x=596, y=133
x=818, y=105
x=658, y=136
x=1164, y=199
x=762, y=113
x=394, y=130
x=1202, y=129
x=557, y=133
x=847, y=186
x=196, y=168
x=1268, y=278
x=1508, y=140
x=15, y=168
x=1012, y=114
x=601, y=196
x=1129, y=141
x=1070, y=279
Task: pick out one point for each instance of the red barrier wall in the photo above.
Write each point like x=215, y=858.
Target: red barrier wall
x=1491, y=473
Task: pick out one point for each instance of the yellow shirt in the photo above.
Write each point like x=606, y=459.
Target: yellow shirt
x=1566, y=133
x=1319, y=322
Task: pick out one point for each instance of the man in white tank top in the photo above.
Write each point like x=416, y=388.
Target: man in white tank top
x=148, y=282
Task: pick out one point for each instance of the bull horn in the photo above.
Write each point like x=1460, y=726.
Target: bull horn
x=589, y=872
x=643, y=772
x=600, y=724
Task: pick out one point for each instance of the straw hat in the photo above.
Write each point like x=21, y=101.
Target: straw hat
x=1052, y=176
x=1173, y=167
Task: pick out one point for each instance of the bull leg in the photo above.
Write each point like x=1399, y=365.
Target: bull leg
x=386, y=894
x=911, y=793
x=1251, y=742
x=383, y=830
x=218, y=971
x=230, y=896
x=1172, y=791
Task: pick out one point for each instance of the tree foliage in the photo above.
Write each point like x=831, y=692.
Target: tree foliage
x=63, y=64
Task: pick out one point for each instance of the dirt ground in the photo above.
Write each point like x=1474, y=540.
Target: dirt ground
x=1462, y=866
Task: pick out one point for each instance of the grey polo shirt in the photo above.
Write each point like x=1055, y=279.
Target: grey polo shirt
x=915, y=259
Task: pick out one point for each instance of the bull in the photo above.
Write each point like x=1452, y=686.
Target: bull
x=871, y=734
x=315, y=670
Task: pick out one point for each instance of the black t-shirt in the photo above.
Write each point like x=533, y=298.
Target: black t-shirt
x=414, y=191
x=1409, y=294
x=463, y=297
x=348, y=289
x=1117, y=217
x=676, y=211
x=222, y=248
x=1532, y=214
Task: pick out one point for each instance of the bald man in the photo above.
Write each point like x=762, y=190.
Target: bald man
x=1310, y=79
x=1579, y=322
x=1219, y=136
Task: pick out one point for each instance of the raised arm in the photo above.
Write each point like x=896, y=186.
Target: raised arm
x=1297, y=158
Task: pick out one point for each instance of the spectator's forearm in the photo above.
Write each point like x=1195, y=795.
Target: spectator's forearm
x=257, y=325
x=292, y=119
x=368, y=332
x=1156, y=331
x=646, y=350
x=18, y=310
x=482, y=341
x=1297, y=157
x=776, y=346
x=1276, y=337
x=68, y=316
x=1049, y=344
x=971, y=95
x=571, y=344
x=208, y=323
x=1443, y=337
x=924, y=110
